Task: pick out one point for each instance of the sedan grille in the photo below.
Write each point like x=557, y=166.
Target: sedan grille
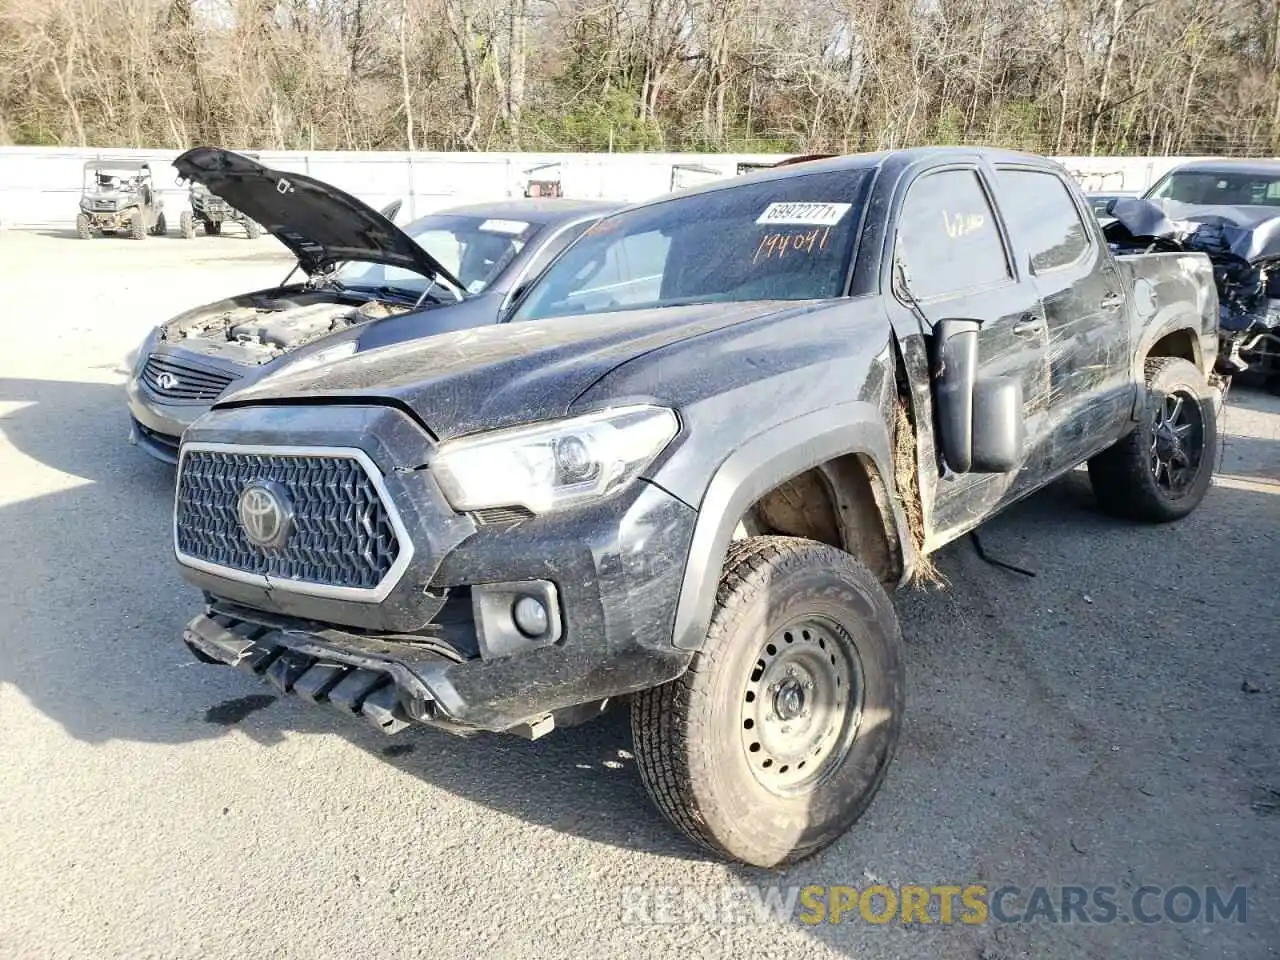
x=174, y=379
x=340, y=534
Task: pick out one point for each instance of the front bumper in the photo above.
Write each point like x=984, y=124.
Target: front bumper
x=110, y=219
x=441, y=639
x=156, y=426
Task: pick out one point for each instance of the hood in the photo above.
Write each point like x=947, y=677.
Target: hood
x=1249, y=233
x=504, y=374
x=319, y=223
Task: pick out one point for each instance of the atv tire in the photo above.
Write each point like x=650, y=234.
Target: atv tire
x=84, y=229
x=161, y=228
x=1162, y=470
x=187, y=225
x=212, y=228
x=252, y=230
x=137, y=226
x=781, y=731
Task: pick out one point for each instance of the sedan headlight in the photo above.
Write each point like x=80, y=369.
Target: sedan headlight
x=551, y=465
x=137, y=359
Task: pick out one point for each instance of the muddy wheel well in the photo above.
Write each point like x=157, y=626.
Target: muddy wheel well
x=1180, y=343
x=843, y=503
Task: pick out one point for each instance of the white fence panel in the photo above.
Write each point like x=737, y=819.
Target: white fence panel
x=39, y=187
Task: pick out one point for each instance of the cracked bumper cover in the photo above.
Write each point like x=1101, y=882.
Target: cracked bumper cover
x=429, y=651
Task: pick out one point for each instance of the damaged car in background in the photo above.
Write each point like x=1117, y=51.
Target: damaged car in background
x=1229, y=210
x=366, y=283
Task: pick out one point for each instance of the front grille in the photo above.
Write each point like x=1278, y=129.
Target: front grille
x=174, y=379
x=342, y=532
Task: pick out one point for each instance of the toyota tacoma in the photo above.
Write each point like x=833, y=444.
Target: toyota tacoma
x=688, y=471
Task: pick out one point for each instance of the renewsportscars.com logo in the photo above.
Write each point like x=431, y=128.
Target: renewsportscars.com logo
x=972, y=904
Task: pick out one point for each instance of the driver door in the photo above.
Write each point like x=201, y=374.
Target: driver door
x=954, y=251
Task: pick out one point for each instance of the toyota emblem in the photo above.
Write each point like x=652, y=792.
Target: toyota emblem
x=266, y=513
x=167, y=381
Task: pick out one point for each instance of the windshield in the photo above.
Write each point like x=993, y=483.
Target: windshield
x=1219, y=188
x=787, y=239
x=476, y=250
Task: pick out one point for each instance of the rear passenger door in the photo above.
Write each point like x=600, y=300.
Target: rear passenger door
x=1089, y=390
x=958, y=264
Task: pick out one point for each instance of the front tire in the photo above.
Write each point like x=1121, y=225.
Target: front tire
x=84, y=229
x=1162, y=470
x=252, y=230
x=161, y=228
x=187, y=225
x=778, y=736
x=137, y=226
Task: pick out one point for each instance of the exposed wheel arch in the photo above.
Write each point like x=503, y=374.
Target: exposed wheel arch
x=842, y=503
x=1182, y=343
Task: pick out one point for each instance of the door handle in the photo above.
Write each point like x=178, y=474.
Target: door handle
x=1028, y=325
x=1111, y=300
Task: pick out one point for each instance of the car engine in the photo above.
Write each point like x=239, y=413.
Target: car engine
x=274, y=327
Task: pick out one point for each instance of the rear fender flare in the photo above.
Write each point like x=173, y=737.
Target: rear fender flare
x=755, y=468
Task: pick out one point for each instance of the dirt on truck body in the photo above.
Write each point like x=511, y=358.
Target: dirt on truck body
x=689, y=467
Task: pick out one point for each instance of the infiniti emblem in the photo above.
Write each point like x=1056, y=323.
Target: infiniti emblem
x=167, y=381
x=266, y=513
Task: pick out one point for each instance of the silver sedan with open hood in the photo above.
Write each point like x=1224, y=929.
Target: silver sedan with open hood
x=364, y=283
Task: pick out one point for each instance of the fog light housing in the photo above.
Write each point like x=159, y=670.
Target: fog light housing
x=530, y=617
x=515, y=616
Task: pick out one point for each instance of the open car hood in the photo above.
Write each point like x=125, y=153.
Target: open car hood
x=319, y=223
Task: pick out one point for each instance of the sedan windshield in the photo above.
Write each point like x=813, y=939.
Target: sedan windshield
x=1226, y=187
x=476, y=250
x=779, y=239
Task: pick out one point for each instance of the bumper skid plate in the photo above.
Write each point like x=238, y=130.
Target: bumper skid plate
x=369, y=693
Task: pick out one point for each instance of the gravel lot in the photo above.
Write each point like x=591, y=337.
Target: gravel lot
x=1112, y=721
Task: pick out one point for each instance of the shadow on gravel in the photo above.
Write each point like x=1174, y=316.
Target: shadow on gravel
x=1051, y=716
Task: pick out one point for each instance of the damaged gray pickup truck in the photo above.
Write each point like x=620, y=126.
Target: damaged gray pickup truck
x=688, y=470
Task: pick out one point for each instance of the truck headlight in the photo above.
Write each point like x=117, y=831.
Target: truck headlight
x=546, y=466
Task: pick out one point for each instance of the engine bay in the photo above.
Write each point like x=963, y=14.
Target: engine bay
x=264, y=328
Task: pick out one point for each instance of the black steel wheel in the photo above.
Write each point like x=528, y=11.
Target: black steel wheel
x=781, y=731
x=801, y=705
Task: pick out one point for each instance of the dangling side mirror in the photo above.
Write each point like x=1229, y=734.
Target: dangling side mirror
x=980, y=422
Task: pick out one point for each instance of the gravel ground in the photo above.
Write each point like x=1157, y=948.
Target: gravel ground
x=1112, y=721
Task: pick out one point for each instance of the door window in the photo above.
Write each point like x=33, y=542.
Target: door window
x=1041, y=213
x=948, y=242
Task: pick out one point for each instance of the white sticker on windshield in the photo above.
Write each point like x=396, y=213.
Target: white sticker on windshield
x=804, y=214
x=504, y=226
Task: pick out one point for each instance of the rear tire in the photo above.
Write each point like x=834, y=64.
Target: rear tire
x=778, y=736
x=137, y=226
x=84, y=229
x=187, y=225
x=1162, y=470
